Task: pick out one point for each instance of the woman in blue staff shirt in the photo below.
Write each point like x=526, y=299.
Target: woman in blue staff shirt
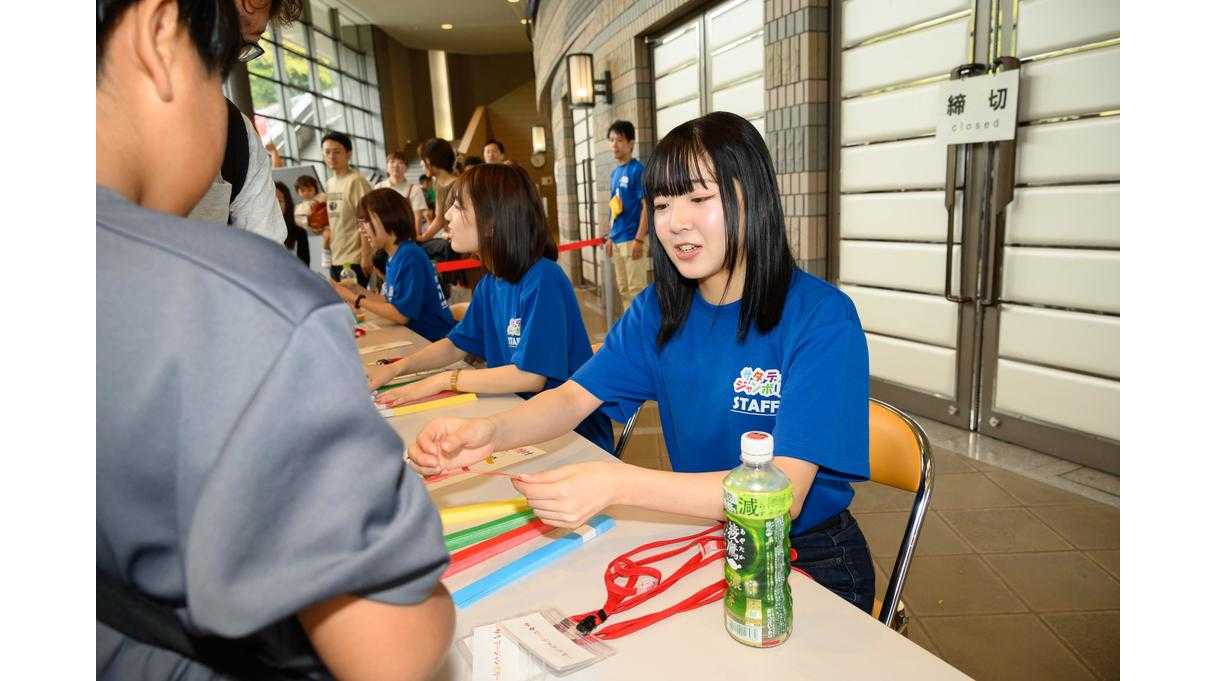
x=523, y=319
x=731, y=337
x=411, y=295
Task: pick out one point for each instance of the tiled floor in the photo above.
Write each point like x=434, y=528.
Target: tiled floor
x=1017, y=572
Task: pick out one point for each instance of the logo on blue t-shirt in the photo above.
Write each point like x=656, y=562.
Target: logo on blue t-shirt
x=513, y=332
x=757, y=391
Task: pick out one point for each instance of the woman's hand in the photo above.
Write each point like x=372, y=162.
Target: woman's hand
x=413, y=391
x=568, y=495
x=450, y=443
x=382, y=374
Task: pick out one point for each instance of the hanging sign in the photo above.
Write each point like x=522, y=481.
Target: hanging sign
x=978, y=109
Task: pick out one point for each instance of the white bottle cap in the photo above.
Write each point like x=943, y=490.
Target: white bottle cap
x=756, y=447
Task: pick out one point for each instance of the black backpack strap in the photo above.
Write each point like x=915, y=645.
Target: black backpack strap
x=135, y=615
x=236, y=152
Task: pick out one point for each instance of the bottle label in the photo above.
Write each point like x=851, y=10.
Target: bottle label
x=758, y=603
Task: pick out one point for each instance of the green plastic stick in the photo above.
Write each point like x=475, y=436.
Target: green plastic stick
x=472, y=535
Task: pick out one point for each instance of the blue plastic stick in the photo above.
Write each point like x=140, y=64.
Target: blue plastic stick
x=527, y=564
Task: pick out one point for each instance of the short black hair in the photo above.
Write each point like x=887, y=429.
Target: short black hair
x=423, y=178
x=502, y=149
x=212, y=26
x=307, y=181
x=623, y=128
x=729, y=149
x=438, y=152
x=339, y=137
x=471, y=161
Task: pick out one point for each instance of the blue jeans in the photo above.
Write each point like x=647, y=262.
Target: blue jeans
x=835, y=554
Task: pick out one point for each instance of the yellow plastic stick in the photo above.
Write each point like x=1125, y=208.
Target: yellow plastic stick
x=480, y=513
x=451, y=401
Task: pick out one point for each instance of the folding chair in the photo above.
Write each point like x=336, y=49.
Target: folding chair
x=900, y=457
x=619, y=448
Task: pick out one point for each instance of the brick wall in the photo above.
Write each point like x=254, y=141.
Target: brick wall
x=796, y=84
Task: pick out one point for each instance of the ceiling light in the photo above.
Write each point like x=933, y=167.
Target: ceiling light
x=523, y=21
x=513, y=1
x=446, y=27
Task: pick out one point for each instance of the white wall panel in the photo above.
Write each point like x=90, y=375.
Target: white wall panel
x=746, y=99
x=666, y=119
x=914, y=316
x=1078, y=279
x=676, y=86
x=930, y=52
x=899, y=216
x=890, y=115
x=863, y=19
x=1076, y=151
x=1067, y=340
x=677, y=51
x=916, y=365
x=1074, y=215
x=742, y=60
x=909, y=267
x=736, y=22
x=890, y=166
x=1047, y=25
x=1082, y=83
x=1085, y=403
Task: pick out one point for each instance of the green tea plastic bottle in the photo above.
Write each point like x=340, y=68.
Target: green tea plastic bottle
x=756, y=498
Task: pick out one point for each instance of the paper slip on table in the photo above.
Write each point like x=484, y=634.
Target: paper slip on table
x=830, y=637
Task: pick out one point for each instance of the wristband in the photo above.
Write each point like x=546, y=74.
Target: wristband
x=452, y=380
x=359, y=299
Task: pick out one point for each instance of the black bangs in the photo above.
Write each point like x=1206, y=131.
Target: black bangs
x=679, y=162
x=726, y=149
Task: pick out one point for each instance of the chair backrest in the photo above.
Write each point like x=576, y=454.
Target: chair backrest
x=458, y=310
x=901, y=457
x=895, y=448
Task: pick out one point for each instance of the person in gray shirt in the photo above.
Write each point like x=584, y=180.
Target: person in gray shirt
x=245, y=484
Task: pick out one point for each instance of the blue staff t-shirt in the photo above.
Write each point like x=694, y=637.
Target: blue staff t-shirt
x=805, y=381
x=626, y=184
x=412, y=286
x=534, y=324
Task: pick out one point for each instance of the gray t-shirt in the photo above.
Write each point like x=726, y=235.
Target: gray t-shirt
x=242, y=472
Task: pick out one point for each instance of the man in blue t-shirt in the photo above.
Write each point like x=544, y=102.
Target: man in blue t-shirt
x=627, y=235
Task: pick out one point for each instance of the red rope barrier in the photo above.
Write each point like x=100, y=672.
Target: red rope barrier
x=470, y=263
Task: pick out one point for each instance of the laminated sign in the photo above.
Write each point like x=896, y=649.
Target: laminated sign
x=978, y=109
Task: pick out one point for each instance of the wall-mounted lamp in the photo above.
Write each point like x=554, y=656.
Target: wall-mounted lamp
x=538, y=139
x=581, y=84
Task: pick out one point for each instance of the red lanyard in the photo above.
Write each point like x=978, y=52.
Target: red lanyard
x=629, y=581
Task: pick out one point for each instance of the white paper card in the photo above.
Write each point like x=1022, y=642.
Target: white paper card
x=384, y=346
x=498, y=658
x=978, y=109
x=540, y=638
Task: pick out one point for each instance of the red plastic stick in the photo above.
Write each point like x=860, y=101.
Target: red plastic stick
x=479, y=553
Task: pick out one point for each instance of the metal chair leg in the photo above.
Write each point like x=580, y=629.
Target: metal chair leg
x=625, y=434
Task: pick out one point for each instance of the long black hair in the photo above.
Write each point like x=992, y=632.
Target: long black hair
x=730, y=149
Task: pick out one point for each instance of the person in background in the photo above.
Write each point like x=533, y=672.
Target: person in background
x=276, y=161
x=343, y=192
x=428, y=186
x=210, y=526
x=243, y=193
x=395, y=165
x=627, y=241
x=411, y=293
x=312, y=215
x=524, y=320
x=439, y=161
x=297, y=237
x=494, y=151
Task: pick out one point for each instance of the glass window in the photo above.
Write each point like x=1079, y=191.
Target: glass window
x=716, y=62
x=307, y=83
